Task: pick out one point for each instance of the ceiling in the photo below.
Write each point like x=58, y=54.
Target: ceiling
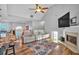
x=21, y=12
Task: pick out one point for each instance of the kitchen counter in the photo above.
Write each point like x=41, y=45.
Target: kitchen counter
x=8, y=39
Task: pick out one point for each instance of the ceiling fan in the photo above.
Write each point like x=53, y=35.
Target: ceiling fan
x=39, y=8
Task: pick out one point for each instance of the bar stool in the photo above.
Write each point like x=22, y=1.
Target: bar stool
x=10, y=48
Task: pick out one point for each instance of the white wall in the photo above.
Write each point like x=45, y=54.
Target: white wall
x=55, y=12
x=37, y=25
x=3, y=11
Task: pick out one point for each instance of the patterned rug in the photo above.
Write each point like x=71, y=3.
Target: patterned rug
x=41, y=47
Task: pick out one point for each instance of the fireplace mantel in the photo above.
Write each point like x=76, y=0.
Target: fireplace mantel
x=72, y=33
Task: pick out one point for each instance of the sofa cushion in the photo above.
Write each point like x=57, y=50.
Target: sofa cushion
x=28, y=33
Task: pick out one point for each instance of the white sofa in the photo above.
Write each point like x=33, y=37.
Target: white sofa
x=40, y=34
x=28, y=39
x=36, y=35
x=44, y=36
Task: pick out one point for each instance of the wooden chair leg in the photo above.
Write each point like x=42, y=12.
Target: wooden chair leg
x=13, y=50
x=6, y=52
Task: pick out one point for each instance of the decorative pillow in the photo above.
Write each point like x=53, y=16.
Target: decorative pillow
x=38, y=32
x=28, y=33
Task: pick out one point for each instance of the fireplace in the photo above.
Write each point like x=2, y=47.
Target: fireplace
x=71, y=39
x=71, y=35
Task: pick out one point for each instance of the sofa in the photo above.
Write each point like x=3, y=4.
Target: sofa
x=41, y=34
x=30, y=36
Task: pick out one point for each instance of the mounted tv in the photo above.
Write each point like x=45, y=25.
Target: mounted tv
x=64, y=21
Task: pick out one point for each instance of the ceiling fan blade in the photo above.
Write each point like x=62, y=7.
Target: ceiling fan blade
x=42, y=11
x=40, y=7
x=37, y=5
x=35, y=12
x=32, y=9
x=45, y=8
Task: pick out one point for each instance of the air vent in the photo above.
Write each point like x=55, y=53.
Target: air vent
x=31, y=16
x=0, y=15
x=0, y=9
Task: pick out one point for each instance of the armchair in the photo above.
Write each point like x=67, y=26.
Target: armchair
x=28, y=36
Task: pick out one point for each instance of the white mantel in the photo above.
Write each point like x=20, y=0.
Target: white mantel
x=73, y=31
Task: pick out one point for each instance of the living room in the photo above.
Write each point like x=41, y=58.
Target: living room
x=25, y=30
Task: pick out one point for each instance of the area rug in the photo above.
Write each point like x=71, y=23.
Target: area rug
x=41, y=47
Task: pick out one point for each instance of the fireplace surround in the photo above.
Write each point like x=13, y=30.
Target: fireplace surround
x=71, y=35
x=71, y=39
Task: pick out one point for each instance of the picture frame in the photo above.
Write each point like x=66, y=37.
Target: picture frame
x=27, y=27
x=73, y=21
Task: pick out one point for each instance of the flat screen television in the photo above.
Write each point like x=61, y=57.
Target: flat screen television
x=64, y=21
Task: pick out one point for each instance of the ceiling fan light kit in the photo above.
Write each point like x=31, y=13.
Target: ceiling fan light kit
x=39, y=8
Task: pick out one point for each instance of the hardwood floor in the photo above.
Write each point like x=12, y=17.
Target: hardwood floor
x=24, y=50
x=59, y=50
x=62, y=50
